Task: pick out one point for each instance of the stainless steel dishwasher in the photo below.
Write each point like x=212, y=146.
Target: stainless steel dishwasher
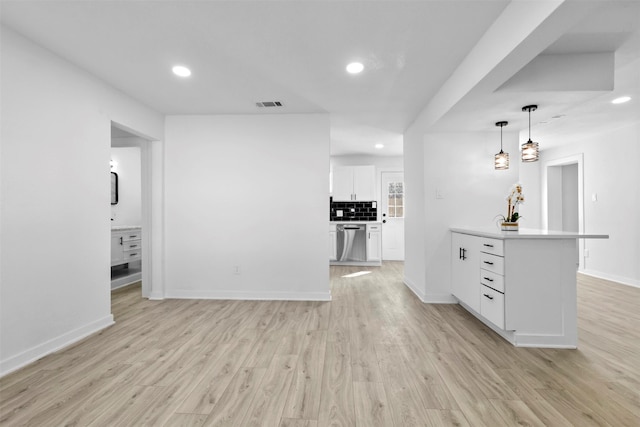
x=352, y=243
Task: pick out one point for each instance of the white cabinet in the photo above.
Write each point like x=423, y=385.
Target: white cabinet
x=521, y=284
x=126, y=245
x=464, y=269
x=354, y=183
x=374, y=242
x=477, y=277
x=333, y=243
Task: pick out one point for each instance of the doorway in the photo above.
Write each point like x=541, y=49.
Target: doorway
x=392, y=203
x=150, y=178
x=126, y=208
x=564, y=201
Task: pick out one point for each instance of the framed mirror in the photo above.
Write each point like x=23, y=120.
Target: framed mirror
x=114, y=188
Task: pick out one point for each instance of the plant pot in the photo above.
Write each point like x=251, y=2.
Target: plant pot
x=509, y=226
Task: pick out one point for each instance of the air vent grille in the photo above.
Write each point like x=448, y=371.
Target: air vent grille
x=269, y=104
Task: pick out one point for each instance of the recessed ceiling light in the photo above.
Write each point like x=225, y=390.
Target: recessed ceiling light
x=355, y=68
x=379, y=146
x=182, y=71
x=621, y=100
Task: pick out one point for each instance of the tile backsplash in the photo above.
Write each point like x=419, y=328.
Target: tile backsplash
x=353, y=211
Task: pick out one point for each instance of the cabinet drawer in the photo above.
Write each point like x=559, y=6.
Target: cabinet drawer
x=135, y=245
x=132, y=255
x=492, y=263
x=373, y=227
x=492, y=246
x=132, y=235
x=492, y=306
x=491, y=279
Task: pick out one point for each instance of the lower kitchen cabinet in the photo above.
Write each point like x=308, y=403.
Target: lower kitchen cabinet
x=333, y=243
x=521, y=284
x=464, y=269
x=374, y=242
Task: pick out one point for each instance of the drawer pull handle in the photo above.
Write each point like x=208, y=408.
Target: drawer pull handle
x=135, y=246
x=488, y=262
x=132, y=255
x=489, y=279
x=487, y=245
x=488, y=296
x=133, y=237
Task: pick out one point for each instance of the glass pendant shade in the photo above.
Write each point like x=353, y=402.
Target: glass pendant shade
x=530, y=151
x=501, y=161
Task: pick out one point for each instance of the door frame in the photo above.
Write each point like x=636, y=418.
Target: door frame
x=564, y=161
x=152, y=208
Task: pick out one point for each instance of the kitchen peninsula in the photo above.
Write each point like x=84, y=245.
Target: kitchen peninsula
x=522, y=284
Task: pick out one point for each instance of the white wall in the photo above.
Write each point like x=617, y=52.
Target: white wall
x=414, y=213
x=54, y=215
x=611, y=172
x=247, y=191
x=458, y=167
x=128, y=167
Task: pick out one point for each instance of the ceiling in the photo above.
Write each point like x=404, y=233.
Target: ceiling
x=295, y=52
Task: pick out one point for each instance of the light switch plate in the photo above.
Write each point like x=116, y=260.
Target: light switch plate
x=338, y=212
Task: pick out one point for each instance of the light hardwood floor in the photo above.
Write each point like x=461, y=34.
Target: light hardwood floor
x=374, y=356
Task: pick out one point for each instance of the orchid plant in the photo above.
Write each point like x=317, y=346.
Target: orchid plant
x=514, y=198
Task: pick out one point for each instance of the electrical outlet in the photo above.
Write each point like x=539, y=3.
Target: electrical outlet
x=236, y=269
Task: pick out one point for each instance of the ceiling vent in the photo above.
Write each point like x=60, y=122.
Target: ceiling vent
x=269, y=104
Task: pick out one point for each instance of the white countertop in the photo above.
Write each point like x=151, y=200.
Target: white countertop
x=525, y=233
x=354, y=222
x=125, y=227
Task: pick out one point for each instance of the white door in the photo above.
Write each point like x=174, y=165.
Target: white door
x=392, y=208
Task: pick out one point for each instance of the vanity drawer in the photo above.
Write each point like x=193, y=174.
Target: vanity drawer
x=492, y=280
x=132, y=235
x=492, y=263
x=135, y=245
x=492, y=306
x=492, y=246
x=132, y=255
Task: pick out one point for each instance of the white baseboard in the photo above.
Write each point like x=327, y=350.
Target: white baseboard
x=613, y=278
x=440, y=299
x=248, y=295
x=413, y=288
x=444, y=298
x=18, y=361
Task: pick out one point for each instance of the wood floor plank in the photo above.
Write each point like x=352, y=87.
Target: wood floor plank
x=205, y=395
x=371, y=405
x=303, y=400
x=336, y=400
x=374, y=355
x=234, y=402
x=270, y=397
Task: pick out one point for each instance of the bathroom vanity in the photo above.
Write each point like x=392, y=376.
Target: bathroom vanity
x=126, y=244
x=522, y=284
x=126, y=254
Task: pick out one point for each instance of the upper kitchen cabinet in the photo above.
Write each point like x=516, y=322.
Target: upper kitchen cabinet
x=354, y=183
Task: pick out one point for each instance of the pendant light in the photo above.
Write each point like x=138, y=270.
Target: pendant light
x=530, y=150
x=501, y=161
